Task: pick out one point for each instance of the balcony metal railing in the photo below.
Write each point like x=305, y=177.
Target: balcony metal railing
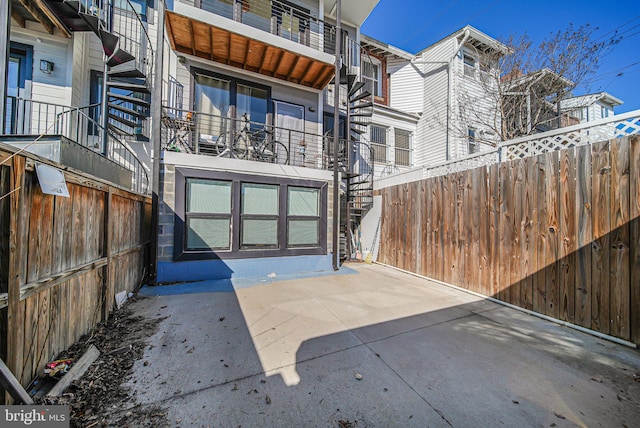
x=28, y=117
x=286, y=20
x=205, y=134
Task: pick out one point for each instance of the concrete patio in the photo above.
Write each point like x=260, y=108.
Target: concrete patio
x=372, y=346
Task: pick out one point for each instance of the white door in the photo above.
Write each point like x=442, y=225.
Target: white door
x=289, y=131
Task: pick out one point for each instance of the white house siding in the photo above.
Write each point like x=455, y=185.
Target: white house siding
x=80, y=82
x=405, y=85
x=431, y=145
x=474, y=108
x=55, y=87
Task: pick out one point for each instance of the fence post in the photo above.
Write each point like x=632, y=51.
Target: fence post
x=108, y=236
x=17, y=243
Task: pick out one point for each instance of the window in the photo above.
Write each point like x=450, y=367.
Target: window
x=139, y=6
x=378, y=137
x=473, y=146
x=604, y=111
x=469, y=65
x=208, y=214
x=259, y=216
x=225, y=215
x=221, y=99
x=303, y=217
x=372, y=75
x=402, y=147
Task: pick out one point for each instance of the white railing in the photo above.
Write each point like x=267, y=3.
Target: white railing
x=532, y=145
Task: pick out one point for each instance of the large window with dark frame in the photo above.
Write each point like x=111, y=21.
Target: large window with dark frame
x=225, y=215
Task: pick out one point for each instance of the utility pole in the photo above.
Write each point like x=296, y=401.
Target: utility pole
x=336, y=137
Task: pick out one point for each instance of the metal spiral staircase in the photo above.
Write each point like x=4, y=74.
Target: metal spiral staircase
x=128, y=57
x=355, y=156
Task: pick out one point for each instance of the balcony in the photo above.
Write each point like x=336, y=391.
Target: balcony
x=73, y=137
x=269, y=37
x=238, y=138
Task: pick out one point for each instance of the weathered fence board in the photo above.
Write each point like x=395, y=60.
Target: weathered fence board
x=558, y=233
x=601, y=179
x=58, y=279
x=567, y=250
x=584, y=234
x=619, y=255
x=634, y=238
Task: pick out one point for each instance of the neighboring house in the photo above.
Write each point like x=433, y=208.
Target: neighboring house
x=528, y=102
x=453, y=86
x=56, y=61
x=246, y=178
x=589, y=107
x=391, y=132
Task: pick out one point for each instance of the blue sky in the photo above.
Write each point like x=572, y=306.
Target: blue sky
x=413, y=25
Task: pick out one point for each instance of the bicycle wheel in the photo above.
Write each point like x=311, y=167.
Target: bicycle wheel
x=241, y=146
x=220, y=145
x=280, y=153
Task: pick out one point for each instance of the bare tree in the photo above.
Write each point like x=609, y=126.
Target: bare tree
x=531, y=80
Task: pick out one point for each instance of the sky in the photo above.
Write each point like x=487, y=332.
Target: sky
x=412, y=25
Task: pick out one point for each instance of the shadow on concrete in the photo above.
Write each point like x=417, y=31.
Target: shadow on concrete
x=288, y=353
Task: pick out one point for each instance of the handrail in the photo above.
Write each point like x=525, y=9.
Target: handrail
x=28, y=117
x=202, y=133
x=287, y=20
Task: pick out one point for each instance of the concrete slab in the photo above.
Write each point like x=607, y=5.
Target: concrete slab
x=429, y=356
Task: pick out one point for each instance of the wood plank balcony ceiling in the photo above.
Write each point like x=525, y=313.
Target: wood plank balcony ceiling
x=204, y=40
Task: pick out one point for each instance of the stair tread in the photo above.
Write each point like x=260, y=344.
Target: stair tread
x=356, y=87
x=128, y=111
x=120, y=57
x=129, y=72
x=362, y=105
x=124, y=121
x=133, y=100
x=360, y=96
x=109, y=42
x=131, y=86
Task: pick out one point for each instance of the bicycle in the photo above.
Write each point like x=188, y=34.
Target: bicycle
x=265, y=149
x=255, y=145
x=237, y=148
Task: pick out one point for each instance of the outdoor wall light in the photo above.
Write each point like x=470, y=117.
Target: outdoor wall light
x=46, y=66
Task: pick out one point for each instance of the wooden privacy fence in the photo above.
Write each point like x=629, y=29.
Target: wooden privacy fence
x=557, y=233
x=63, y=260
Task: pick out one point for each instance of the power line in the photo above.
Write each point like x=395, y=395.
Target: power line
x=615, y=29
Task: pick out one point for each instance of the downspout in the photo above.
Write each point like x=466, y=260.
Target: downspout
x=336, y=137
x=156, y=117
x=450, y=89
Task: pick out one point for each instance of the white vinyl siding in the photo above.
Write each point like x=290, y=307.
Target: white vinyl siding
x=404, y=87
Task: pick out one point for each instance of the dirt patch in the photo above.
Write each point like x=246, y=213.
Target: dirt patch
x=100, y=398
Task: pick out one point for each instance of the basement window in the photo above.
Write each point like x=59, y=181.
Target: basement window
x=222, y=215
